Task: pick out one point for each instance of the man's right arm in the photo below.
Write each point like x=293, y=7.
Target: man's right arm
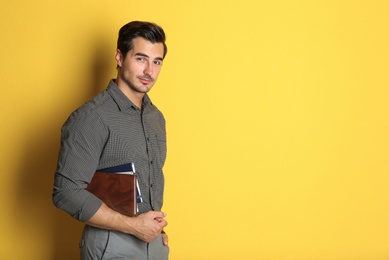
x=82, y=140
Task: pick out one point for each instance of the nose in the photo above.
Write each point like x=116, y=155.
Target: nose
x=148, y=69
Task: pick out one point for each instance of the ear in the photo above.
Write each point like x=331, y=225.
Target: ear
x=119, y=58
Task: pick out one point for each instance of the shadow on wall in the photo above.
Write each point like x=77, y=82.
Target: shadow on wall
x=38, y=164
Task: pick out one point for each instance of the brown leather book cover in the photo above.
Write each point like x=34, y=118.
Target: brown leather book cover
x=117, y=190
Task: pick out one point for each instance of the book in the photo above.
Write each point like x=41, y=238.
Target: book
x=118, y=188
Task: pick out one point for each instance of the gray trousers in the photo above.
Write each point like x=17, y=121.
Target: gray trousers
x=100, y=244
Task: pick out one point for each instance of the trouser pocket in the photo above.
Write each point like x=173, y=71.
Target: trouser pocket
x=93, y=244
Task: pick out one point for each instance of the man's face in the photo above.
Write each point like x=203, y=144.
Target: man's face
x=141, y=66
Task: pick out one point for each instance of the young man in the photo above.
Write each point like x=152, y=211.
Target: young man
x=119, y=126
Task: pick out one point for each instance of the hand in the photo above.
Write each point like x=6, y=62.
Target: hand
x=146, y=226
x=149, y=225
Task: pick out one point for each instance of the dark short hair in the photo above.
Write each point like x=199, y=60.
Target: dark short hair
x=147, y=30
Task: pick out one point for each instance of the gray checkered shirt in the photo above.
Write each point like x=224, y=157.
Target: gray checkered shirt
x=109, y=130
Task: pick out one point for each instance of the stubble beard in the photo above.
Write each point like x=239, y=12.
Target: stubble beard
x=143, y=89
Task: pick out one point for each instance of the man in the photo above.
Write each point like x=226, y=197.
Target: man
x=119, y=126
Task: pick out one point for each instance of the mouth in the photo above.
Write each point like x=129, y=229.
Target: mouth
x=145, y=80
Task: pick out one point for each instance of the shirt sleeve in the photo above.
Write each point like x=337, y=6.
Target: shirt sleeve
x=83, y=137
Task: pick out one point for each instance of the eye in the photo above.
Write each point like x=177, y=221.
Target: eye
x=158, y=62
x=140, y=59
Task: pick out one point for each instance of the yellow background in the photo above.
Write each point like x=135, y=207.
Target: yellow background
x=277, y=118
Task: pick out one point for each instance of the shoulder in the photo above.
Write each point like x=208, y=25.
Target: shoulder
x=90, y=114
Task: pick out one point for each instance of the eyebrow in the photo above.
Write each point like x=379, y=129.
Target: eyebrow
x=147, y=56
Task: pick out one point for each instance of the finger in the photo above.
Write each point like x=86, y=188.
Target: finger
x=160, y=217
x=158, y=214
x=164, y=239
